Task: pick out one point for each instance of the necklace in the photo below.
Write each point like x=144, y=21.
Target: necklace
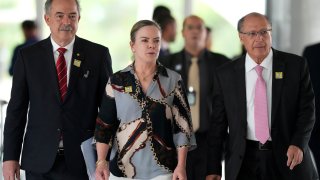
x=144, y=77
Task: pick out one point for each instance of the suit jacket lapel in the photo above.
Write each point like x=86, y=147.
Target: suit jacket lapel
x=240, y=83
x=278, y=75
x=77, y=62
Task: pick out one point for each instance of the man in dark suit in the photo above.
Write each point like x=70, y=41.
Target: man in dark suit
x=194, y=34
x=312, y=54
x=61, y=110
x=263, y=110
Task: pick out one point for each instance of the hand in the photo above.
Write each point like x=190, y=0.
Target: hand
x=295, y=156
x=179, y=173
x=213, y=177
x=11, y=170
x=102, y=171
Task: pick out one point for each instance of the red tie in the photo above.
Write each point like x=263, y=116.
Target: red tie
x=62, y=73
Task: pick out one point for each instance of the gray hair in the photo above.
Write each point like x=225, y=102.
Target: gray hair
x=47, y=6
x=241, y=21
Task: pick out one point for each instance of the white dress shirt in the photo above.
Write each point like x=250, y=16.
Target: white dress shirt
x=67, y=55
x=251, y=78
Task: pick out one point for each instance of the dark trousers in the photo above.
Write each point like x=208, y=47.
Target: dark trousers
x=59, y=171
x=259, y=165
x=197, y=159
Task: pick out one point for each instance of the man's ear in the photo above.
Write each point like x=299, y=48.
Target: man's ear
x=240, y=37
x=46, y=18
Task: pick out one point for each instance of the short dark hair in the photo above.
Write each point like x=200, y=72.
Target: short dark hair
x=140, y=24
x=28, y=25
x=160, y=11
x=164, y=20
x=47, y=6
x=241, y=21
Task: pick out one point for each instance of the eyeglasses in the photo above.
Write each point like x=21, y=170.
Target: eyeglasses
x=262, y=33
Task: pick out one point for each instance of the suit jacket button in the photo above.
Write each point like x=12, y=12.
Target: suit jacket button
x=240, y=157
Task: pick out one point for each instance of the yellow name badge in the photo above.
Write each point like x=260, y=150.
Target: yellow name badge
x=279, y=75
x=128, y=89
x=77, y=63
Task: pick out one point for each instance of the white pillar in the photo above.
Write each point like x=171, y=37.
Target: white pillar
x=40, y=15
x=188, y=7
x=295, y=24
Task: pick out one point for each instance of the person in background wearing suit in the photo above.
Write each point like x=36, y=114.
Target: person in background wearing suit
x=311, y=53
x=263, y=110
x=196, y=65
x=30, y=30
x=168, y=33
x=58, y=84
x=144, y=118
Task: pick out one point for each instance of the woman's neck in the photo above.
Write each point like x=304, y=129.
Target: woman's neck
x=145, y=71
x=144, y=68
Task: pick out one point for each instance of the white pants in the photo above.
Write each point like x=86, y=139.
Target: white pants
x=160, y=177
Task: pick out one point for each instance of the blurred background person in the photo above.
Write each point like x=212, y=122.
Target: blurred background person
x=160, y=11
x=145, y=116
x=167, y=22
x=30, y=34
x=168, y=33
x=312, y=54
x=196, y=65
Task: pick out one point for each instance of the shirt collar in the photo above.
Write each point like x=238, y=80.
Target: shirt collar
x=69, y=47
x=266, y=63
x=189, y=56
x=164, y=44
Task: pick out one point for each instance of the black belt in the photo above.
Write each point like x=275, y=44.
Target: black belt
x=259, y=146
x=60, y=151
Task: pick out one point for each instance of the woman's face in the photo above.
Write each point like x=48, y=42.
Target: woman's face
x=146, y=46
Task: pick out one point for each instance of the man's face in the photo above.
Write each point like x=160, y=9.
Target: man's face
x=256, y=37
x=172, y=28
x=63, y=19
x=194, y=32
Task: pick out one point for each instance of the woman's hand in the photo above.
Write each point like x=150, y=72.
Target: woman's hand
x=179, y=173
x=102, y=170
